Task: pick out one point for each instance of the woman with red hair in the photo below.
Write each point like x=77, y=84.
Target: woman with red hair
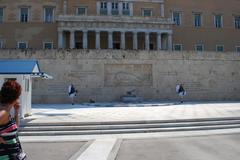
x=10, y=146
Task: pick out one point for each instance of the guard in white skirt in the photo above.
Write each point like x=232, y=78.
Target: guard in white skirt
x=72, y=92
x=181, y=91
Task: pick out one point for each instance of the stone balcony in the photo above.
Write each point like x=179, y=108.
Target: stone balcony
x=114, y=21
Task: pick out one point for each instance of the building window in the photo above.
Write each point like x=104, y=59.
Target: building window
x=24, y=14
x=199, y=47
x=197, y=20
x=238, y=49
x=48, y=14
x=237, y=22
x=81, y=11
x=218, y=21
x=114, y=8
x=103, y=8
x=219, y=48
x=1, y=15
x=125, y=8
x=22, y=45
x=177, y=47
x=146, y=12
x=177, y=18
x=47, y=45
x=1, y=44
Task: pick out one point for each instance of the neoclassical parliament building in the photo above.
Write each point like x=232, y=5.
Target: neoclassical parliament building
x=190, y=25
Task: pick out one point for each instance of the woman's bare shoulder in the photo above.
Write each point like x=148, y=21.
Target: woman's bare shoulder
x=4, y=117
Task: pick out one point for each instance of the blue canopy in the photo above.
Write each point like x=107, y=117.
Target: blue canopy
x=19, y=67
x=22, y=67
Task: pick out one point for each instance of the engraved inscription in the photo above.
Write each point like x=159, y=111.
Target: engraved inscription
x=194, y=86
x=168, y=73
x=81, y=74
x=58, y=88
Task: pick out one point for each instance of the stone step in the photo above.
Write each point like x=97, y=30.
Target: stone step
x=24, y=124
x=125, y=126
x=125, y=131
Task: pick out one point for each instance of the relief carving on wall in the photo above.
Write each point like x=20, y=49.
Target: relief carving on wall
x=128, y=75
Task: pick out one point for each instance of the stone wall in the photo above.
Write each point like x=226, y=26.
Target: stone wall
x=106, y=75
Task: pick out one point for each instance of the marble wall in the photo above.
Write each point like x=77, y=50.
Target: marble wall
x=106, y=75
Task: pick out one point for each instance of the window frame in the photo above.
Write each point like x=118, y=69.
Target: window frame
x=126, y=4
x=114, y=8
x=1, y=44
x=18, y=44
x=234, y=22
x=199, y=44
x=81, y=7
x=45, y=42
x=215, y=24
x=150, y=9
x=20, y=14
x=180, y=17
x=3, y=15
x=103, y=2
x=44, y=14
x=115, y=5
x=125, y=9
x=194, y=20
x=218, y=45
x=181, y=47
x=237, y=49
x=103, y=10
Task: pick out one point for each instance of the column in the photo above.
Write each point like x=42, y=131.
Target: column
x=109, y=8
x=159, y=41
x=123, y=40
x=120, y=8
x=65, y=7
x=135, y=40
x=162, y=9
x=72, y=39
x=170, y=41
x=60, y=39
x=110, y=40
x=97, y=40
x=147, y=40
x=85, y=39
x=98, y=7
x=131, y=8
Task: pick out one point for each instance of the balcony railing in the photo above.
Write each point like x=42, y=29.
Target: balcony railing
x=126, y=12
x=103, y=11
x=117, y=19
x=115, y=12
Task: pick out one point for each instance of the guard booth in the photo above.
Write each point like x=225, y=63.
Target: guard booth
x=22, y=71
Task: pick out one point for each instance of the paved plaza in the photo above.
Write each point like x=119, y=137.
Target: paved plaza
x=184, y=145
x=213, y=147
x=223, y=147
x=108, y=112
x=52, y=150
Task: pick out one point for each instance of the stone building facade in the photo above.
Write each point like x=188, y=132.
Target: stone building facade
x=121, y=24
